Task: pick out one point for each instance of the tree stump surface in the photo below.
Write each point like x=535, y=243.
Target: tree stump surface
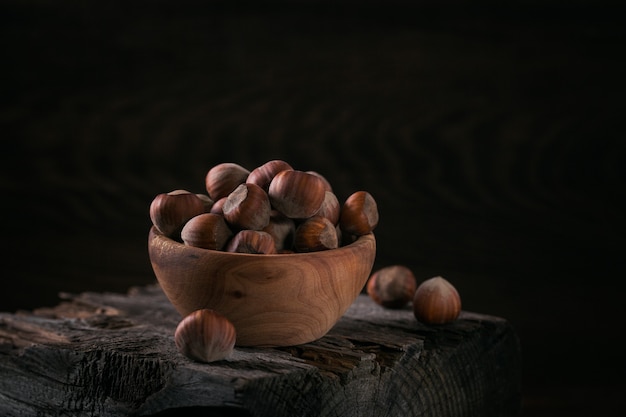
x=112, y=354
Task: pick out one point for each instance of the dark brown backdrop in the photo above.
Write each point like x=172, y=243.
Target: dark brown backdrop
x=491, y=136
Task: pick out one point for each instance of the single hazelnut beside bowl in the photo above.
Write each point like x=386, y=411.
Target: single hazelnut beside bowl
x=205, y=335
x=392, y=286
x=436, y=301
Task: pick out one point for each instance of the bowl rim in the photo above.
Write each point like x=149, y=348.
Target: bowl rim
x=361, y=240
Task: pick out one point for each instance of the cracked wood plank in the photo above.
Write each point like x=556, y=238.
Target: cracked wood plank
x=110, y=354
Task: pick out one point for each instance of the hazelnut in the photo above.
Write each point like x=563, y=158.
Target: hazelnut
x=316, y=234
x=263, y=175
x=296, y=194
x=251, y=241
x=247, y=207
x=436, y=301
x=282, y=229
x=206, y=200
x=217, y=206
x=205, y=336
x=207, y=231
x=330, y=208
x=392, y=286
x=359, y=214
x=327, y=185
x=170, y=211
x=223, y=178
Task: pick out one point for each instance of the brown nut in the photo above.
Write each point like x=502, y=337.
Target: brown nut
x=263, y=175
x=296, y=194
x=206, y=200
x=205, y=336
x=282, y=229
x=223, y=178
x=217, y=206
x=359, y=214
x=327, y=185
x=170, y=211
x=316, y=234
x=330, y=208
x=251, y=241
x=436, y=301
x=247, y=207
x=207, y=231
x=392, y=286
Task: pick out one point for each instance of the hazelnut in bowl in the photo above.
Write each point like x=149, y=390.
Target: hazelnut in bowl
x=273, y=298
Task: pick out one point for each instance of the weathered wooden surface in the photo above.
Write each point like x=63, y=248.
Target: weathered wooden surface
x=110, y=354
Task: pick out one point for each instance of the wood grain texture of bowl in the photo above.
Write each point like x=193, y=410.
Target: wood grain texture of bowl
x=273, y=300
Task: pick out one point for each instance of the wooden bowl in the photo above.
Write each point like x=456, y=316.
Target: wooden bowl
x=273, y=300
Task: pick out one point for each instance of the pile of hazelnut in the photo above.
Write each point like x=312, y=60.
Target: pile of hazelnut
x=273, y=208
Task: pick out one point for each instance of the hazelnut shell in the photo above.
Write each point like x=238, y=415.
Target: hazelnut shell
x=223, y=178
x=251, y=241
x=206, y=230
x=170, y=211
x=315, y=234
x=205, y=336
x=247, y=207
x=392, y=286
x=297, y=194
x=359, y=214
x=263, y=175
x=436, y=301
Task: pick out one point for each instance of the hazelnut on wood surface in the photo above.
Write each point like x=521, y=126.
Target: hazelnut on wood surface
x=392, y=286
x=297, y=194
x=223, y=178
x=205, y=336
x=247, y=207
x=206, y=230
x=359, y=214
x=436, y=301
x=170, y=211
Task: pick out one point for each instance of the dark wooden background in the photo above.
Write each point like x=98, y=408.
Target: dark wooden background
x=492, y=137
